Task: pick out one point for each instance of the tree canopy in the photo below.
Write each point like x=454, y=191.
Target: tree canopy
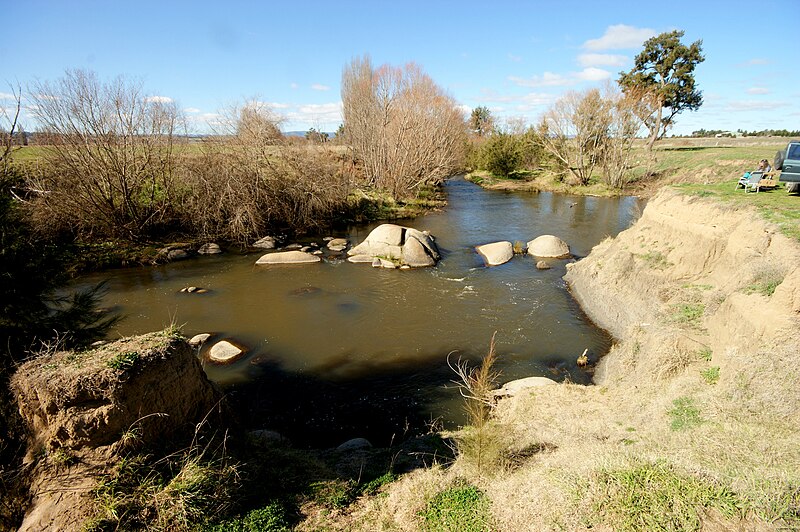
x=663, y=78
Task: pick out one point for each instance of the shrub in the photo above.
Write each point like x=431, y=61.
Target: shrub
x=502, y=153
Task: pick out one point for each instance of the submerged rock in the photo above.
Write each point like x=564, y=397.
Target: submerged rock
x=543, y=265
x=288, y=257
x=177, y=254
x=548, y=246
x=496, y=253
x=398, y=244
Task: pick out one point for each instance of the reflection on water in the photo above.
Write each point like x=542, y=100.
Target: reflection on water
x=338, y=350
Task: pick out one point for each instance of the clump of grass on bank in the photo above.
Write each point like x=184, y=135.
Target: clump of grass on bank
x=655, y=496
x=462, y=507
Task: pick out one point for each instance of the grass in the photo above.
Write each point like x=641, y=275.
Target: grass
x=705, y=354
x=711, y=375
x=123, y=361
x=765, y=282
x=655, y=496
x=462, y=508
x=270, y=518
x=655, y=259
x=776, y=206
x=684, y=415
x=688, y=314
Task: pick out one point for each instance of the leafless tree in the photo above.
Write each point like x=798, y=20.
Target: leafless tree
x=110, y=153
x=402, y=126
x=9, y=126
x=623, y=129
x=249, y=177
x=574, y=130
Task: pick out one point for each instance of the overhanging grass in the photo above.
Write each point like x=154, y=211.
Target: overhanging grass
x=775, y=206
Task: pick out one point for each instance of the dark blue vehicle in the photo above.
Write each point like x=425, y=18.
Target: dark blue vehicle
x=788, y=162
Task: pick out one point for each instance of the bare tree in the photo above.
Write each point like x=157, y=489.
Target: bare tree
x=249, y=177
x=110, y=157
x=574, y=130
x=9, y=126
x=402, y=126
x=623, y=129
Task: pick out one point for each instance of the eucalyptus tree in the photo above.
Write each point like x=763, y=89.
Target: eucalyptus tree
x=662, y=78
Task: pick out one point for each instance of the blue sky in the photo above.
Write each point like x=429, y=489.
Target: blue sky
x=514, y=57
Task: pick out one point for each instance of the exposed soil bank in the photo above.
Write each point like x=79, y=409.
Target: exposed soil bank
x=86, y=410
x=694, y=420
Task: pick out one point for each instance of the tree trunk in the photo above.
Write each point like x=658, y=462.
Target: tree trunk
x=655, y=129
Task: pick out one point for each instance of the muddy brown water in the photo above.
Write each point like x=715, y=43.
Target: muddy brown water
x=339, y=350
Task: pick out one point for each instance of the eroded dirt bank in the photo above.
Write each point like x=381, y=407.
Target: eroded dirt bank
x=693, y=423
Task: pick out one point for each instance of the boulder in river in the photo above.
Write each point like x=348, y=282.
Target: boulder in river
x=356, y=444
x=209, y=249
x=199, y=339
x=225, y=352
x=548, y=246
x=268, y=242
x=177, y=254
x=404, y=245
x=496, y=253
x=512, y=388
x=288, y=257
x=542, y=265
x=337, y=244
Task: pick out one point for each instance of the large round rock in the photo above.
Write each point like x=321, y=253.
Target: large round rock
x=496, y=253
x=548, y=246
x=405, y=245
x=224, y=352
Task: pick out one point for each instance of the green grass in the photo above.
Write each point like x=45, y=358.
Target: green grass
x=687, y=313
x=655, y=259
x=711, y=375
x=270, y=518
x=765, y=282
x=462, y=508
x=123, y=361
x=684, y=415
x=776, y=206
x=654, y=496
x=705, y=354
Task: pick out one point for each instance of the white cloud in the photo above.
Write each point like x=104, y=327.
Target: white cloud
x=620, y=36
x=758, y=90
x=520, y=103
x=515, y=58
x=754, y=105
x=278, y=105
x=320, y=87
x=191, y=110
x=158, y=99
x=294, y=86
x=318, y=115
x=549, y=79
x=7, y=96
x=756, y=61
x=595, y=60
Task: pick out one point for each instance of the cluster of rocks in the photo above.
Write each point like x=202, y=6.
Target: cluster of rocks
x=176, y=252
x=544, y=246
x=221, y=352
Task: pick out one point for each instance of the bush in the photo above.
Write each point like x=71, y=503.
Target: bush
x=502, y=153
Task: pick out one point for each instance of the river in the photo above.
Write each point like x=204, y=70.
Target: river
x=339, y=350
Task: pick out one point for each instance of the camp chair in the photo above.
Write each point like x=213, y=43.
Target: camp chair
x=753, y=181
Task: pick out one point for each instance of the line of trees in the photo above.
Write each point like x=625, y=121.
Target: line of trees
x=593, y=132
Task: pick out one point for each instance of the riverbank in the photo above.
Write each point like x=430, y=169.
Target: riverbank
x=694, y=418
x=673, y=161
